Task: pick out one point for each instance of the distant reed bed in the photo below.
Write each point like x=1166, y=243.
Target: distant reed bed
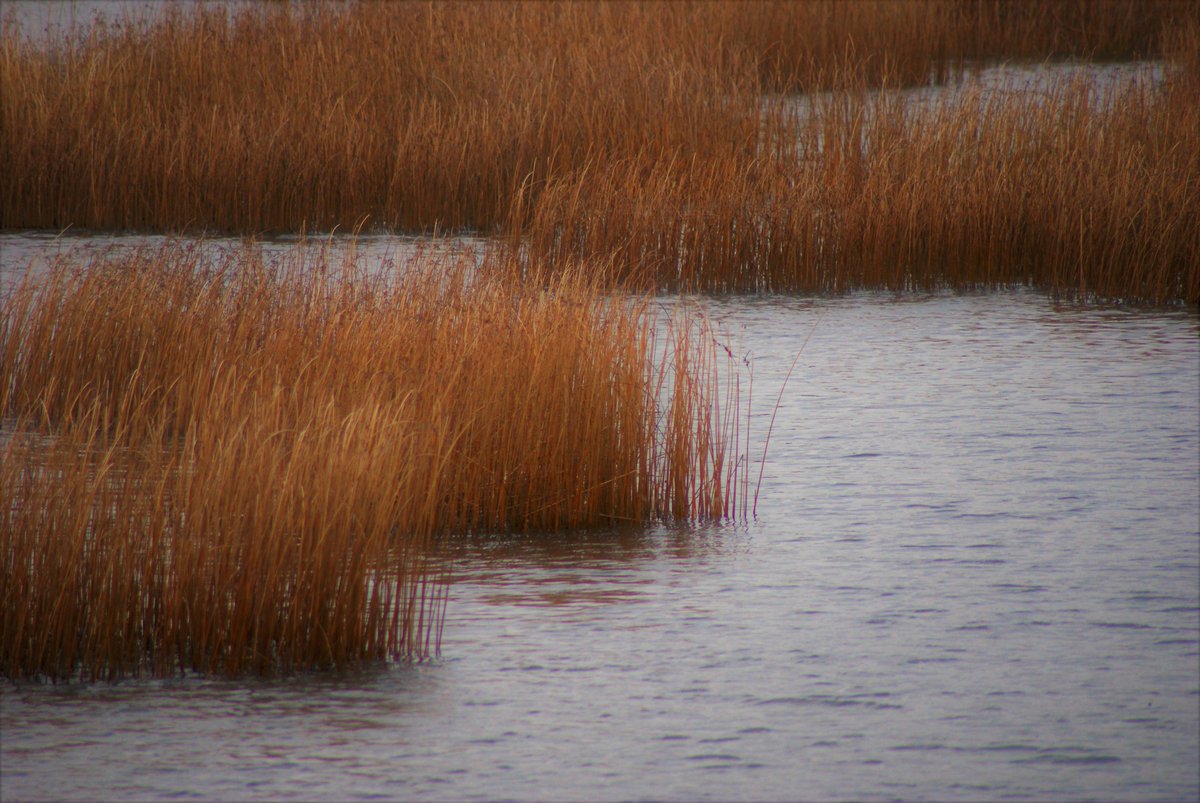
x=1082, y=189
x=811, y=46
x=414, y=115
x=399, y=115
x=245, y=465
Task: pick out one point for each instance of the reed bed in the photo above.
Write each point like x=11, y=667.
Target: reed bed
x=1082, y=189
x=410, y=116
x=813, y=46
x=237, y=465
x=400, y=116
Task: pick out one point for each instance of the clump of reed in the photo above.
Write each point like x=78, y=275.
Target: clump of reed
x=228, y=556
x=1082, y=189
x=1067, y=29
x=237, y=465
x=405, y=116
x=410, y=116
x=812, y=46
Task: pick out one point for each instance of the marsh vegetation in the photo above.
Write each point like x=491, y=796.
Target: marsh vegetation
x=245, y=465
x=637, y=132
x=249, y=465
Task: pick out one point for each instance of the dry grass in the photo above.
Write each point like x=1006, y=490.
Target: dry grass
x=238, y=465
x=1080, y=190
x=400, y=115
x=406, y=115
x=810, y=46
x=1071, y=29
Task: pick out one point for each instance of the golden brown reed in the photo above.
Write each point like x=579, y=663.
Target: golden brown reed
x=1081, y=189
x=1071, y=29
x=402, y=115
x=239, y=465
x=809, y=46
x=407, y=115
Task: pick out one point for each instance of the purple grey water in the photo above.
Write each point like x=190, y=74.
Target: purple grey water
x=975, y=574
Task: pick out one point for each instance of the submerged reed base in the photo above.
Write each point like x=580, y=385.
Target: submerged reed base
x=229, y=465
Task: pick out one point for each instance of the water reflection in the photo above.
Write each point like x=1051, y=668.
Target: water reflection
x=600, y=566
x=250, y=735
x=33, y=252
x=51, y=22
x=983, y=83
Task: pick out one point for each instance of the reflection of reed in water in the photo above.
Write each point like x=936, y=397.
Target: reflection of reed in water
x=248, y=463
x=594, y=567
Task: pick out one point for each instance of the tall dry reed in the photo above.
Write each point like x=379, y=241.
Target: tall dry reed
x=1081, y=189
x=407, y=115
x=233, y=464
x=1071, y=29
x=811, y=46
x=400, y=115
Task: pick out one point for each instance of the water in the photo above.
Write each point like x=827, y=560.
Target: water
x=51, y=22
x=975, y=574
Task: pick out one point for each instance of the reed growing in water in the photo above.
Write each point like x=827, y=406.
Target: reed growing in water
x=638, y=134
x=401, y=115
x=238, y=465
x=1080, y=189
x=410, y=115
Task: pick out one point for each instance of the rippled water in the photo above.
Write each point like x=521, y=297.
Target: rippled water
x=975, y=574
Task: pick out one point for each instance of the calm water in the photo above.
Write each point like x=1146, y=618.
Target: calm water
x=975, y=574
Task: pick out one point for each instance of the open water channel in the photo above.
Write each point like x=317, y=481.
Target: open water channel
x=974, y=574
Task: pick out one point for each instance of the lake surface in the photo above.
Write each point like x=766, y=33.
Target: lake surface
x=974, y=574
